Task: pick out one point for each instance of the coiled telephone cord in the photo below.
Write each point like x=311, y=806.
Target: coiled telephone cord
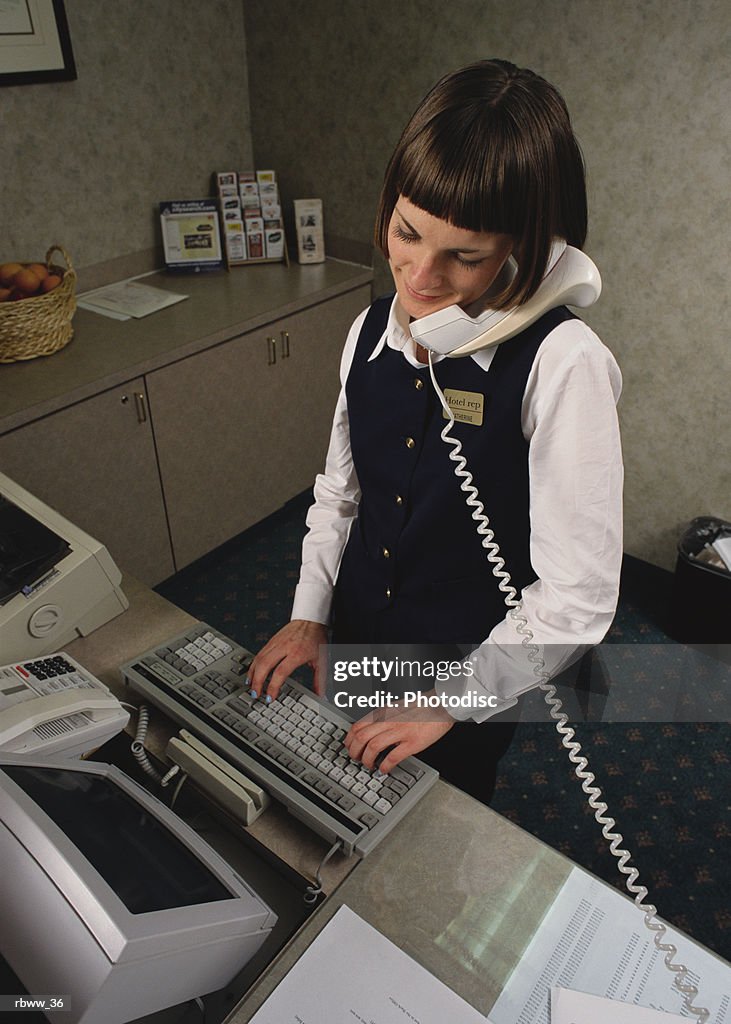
x=581, y=765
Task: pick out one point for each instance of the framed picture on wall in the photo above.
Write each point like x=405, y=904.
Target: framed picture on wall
x=35, y=45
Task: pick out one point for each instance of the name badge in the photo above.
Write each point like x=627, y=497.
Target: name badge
x=467, y=406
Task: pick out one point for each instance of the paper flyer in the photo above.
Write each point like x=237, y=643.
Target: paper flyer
x=351, y=973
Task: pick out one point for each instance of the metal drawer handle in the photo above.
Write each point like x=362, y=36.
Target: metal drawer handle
x=285, y=344
x=141, y=407
x=271, y=351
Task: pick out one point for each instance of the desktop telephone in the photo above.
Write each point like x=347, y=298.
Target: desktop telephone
x=571, y=277
x=51, y=705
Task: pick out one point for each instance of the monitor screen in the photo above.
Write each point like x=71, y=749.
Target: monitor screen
x=91, y=808
x=28, y=549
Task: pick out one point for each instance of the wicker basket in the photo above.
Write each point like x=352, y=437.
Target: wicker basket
x=40, y=325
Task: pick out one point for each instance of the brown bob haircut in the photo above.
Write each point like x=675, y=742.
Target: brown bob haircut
x=491, y=149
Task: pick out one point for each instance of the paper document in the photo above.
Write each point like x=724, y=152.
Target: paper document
x=128, y=299
x=351, y=973
x=594, y=940
x=578, y=1008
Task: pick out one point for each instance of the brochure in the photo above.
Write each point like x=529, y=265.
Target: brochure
x=191, y=235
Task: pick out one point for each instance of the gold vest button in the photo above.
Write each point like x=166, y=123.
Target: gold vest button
x=388, y=592
x=410, y=442
x=418, y=383
x=386, y=553
x=399, y=500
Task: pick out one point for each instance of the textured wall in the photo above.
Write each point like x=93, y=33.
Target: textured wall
x=160, y=102
x=647, y=85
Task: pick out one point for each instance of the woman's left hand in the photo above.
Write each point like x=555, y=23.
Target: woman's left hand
x=406, y=731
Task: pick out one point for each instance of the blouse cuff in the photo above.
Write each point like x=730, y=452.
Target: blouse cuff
x=466, y=700
x=312, y=601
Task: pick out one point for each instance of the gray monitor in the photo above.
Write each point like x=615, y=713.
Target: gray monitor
x=109, y=899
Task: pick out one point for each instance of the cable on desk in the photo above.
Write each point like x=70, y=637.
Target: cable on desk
x=313, y=891
x=140, y=754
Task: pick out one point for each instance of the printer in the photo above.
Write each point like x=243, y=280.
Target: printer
x=56, y=582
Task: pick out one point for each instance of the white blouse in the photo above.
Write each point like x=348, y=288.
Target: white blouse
x=569, y=419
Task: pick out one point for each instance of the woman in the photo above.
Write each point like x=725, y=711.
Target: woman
x=487, y=168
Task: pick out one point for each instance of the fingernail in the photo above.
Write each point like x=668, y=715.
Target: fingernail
x=253, y=693
x=247, y=681
x=267, y=699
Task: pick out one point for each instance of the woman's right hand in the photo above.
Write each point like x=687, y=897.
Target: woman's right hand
x=297, y=643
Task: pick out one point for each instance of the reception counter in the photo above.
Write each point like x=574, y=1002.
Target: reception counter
x=455, y=885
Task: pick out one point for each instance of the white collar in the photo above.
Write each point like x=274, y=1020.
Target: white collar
x=398, y=337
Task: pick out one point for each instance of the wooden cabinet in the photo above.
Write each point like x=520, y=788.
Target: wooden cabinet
x=243, y=427
x=95, y=463
x=171, y=463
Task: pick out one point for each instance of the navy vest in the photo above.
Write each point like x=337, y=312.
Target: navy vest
x=414, y=569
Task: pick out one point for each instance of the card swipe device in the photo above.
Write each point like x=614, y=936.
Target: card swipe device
x=225, y=784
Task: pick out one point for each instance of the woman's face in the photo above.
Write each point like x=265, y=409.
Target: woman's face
x=435, y=264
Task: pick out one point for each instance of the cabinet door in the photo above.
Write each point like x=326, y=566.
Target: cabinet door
x=308, y=357
x=238, y=434
x=95, y=464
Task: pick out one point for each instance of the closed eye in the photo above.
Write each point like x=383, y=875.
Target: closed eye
x=410, y=237
x=466, y=263
x=403, y=235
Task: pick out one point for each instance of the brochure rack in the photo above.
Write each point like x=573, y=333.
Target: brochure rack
x=251, y=218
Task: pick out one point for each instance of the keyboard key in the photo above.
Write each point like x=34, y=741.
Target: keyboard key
x=401, y=776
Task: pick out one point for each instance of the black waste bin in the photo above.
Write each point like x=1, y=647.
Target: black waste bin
x=701, y=609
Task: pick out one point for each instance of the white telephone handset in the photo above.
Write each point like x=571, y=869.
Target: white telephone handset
x=571, y=279
x=54, y=706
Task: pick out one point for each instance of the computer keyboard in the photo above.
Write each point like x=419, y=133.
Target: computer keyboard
x=292, y=747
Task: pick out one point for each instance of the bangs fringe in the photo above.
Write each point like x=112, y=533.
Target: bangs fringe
x=470, y=187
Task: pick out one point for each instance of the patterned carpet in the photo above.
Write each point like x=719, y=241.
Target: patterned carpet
x=666, y=784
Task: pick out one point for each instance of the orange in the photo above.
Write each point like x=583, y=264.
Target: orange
x=26, y=281
x=8, y=272
x=39, y=269
x=50, y=282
